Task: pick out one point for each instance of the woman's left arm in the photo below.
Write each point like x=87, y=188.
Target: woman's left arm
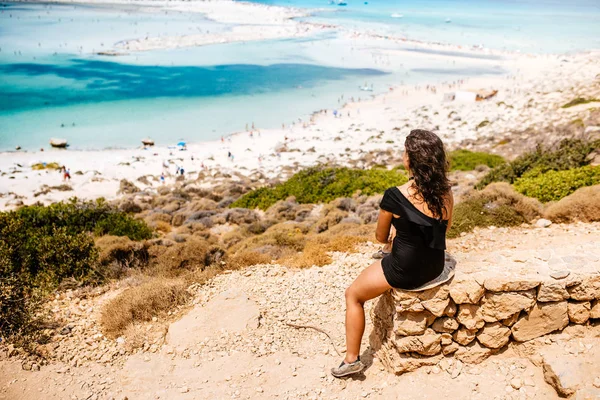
x=450, y=209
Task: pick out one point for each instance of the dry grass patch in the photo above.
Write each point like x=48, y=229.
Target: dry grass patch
x=288, y=235
x=582, y=205
x=234, y=237
x=314, y=254
x=152, y=298
x=317, y=249
x=118, y=254
x=189, y=255
x=162, y=227
x=247, y=258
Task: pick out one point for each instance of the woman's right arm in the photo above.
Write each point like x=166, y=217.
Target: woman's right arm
x=384, y=223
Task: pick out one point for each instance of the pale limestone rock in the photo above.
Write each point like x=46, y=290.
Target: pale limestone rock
x=409, y=324
x=450, y=311
x=446, y=339
x=445, y=325
x=543, y=223
x=560, y=274
x=450, y=349
x=543, y=318
x=587, y=393
x=464, y=336
x=436, y=306
x=439, y=292
x=502, y=305
x=595, y=310
x=466, y=291
x=428, y=344
x=562, y=373
x=434, y=298
x=579, y=312
x=510, y=284
x=510, y=321
x=474, y=353
x=400, y=363
x=552, y=291
x=588, y=289
x=412, y=305
x=494, y=335
x=470, y=316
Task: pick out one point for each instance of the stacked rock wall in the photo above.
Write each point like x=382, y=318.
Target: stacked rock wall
x=474, y=317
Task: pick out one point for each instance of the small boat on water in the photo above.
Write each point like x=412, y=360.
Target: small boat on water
x=148, y=142
x=396, y=15
x=366, y=88
x=342, y=3
x=448, y=20
x=59, y=143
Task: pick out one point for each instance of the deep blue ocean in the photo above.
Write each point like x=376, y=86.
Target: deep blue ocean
x=53, y=84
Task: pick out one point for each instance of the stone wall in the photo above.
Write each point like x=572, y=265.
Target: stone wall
x=476, y=315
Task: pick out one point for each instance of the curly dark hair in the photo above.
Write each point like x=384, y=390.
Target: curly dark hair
x=428, y=164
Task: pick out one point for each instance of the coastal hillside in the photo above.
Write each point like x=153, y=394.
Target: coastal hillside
x=253, y=275
x=187, y=188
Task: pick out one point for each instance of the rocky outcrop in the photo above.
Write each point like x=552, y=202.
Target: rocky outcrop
x=473, y=316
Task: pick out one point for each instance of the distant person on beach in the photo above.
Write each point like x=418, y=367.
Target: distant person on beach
x=421, y=213
x=66, y=173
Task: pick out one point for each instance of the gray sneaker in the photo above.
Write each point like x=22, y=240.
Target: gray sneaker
x=380, y=254
x=348, y=369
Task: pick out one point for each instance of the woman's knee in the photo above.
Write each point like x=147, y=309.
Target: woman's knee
x=352, y=295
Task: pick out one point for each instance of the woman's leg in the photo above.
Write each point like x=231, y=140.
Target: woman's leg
x=369, y=284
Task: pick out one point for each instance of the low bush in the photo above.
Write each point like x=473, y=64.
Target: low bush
x=19, y=304
x=570, y=153
x=554, y=185
x=152, y=298
x=582, y=205
x=189, y=255
x=322, y=185
x=40, y=247
x=496, y=205
x=465, y=160
x=118, y=254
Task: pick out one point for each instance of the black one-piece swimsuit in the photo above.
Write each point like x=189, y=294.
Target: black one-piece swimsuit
x=418, y=249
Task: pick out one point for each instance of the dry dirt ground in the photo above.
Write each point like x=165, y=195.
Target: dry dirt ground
x=235, y=342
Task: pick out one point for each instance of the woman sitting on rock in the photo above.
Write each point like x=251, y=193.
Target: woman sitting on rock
x=421, y=212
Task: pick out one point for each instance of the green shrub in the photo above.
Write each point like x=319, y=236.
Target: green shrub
x=554, y=185
x=41, y=246
x=578, y=101
x=321, y=185
x=496, y=205
x=570, y=153
x=19, y=305
x=77, y=217
x=465, y=160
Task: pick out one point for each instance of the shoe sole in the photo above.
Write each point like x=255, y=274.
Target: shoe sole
x=347, y=373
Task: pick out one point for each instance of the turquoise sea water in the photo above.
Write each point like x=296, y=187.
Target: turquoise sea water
x=541, y=26
x=52, y=83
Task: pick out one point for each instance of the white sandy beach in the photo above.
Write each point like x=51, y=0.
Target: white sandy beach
x=530, y=94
